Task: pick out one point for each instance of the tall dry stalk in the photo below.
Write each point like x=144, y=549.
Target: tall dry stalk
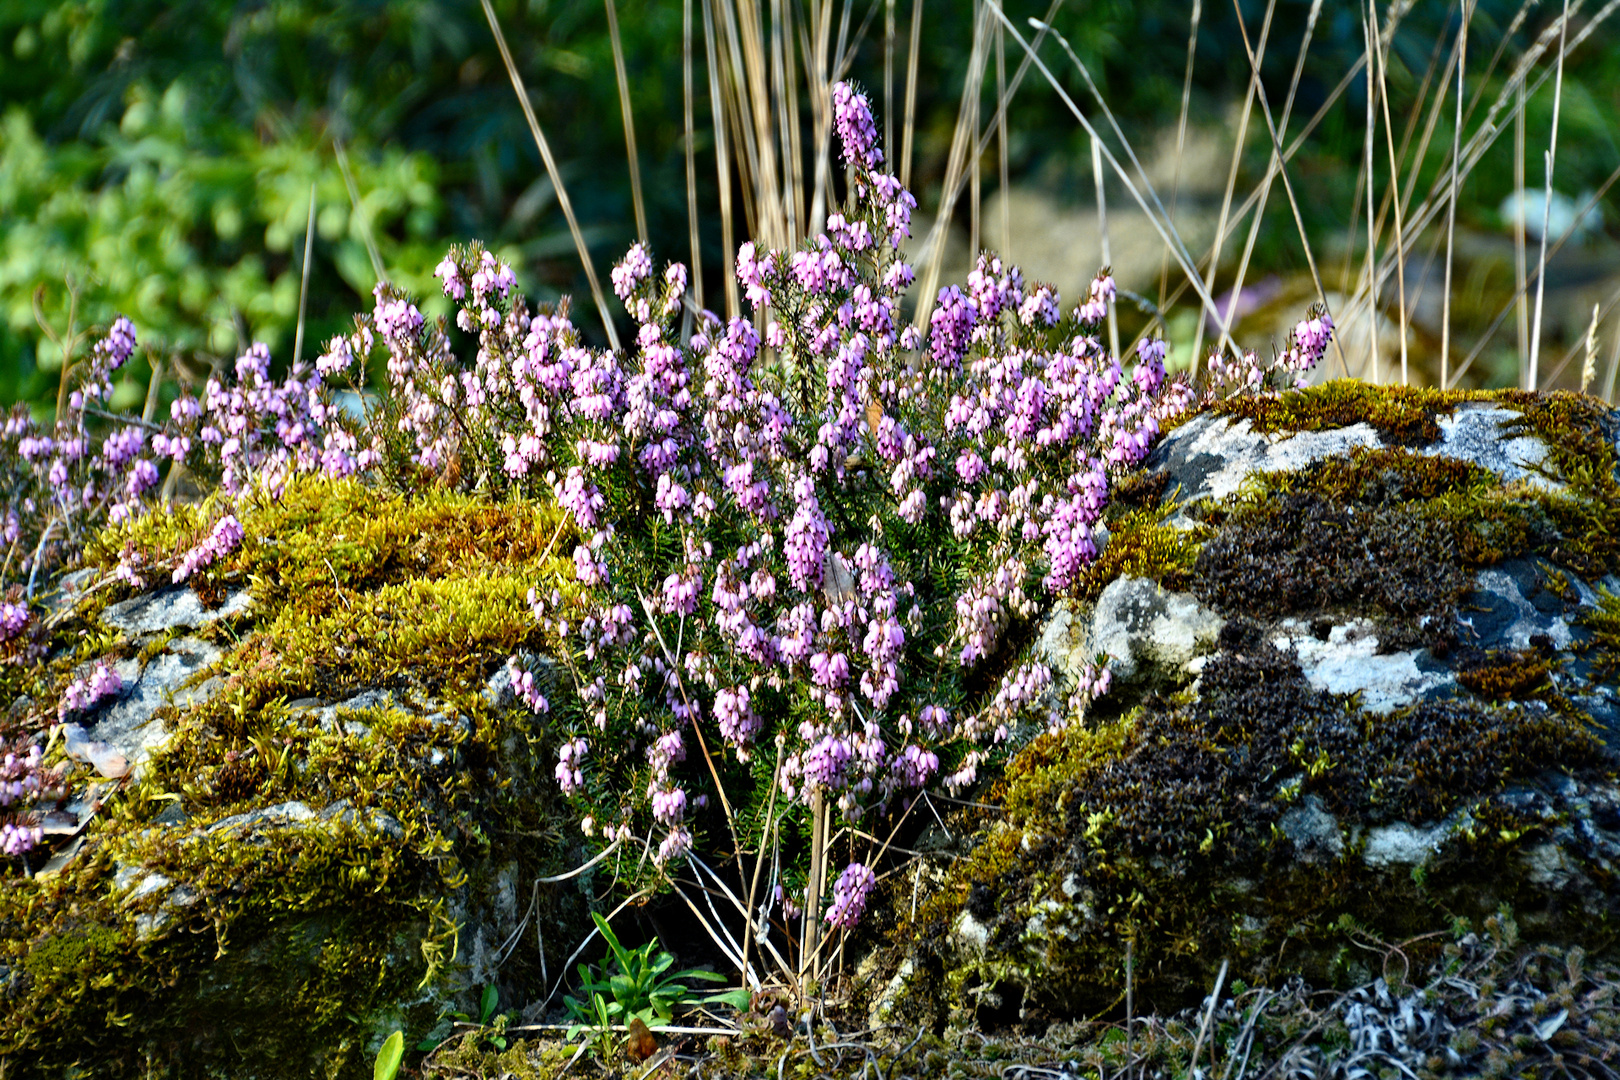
x=1551, y=159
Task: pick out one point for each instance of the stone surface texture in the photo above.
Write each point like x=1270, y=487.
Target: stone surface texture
x=1261, y=778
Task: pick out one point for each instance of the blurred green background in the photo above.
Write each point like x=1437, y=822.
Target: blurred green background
x=156, y=159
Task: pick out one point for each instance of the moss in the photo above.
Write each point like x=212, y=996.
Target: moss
x=298, y=937
x=1580, y=435
x=1141, y=544
x=1404, y=416
x=1602, y=622
x=1513, y=675
x=1166, y=828
x=1386, y=533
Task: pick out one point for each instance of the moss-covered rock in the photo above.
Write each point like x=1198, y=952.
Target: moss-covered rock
x=1370, y=690
x=333, y=817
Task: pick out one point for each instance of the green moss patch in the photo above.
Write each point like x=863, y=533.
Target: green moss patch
x=1404, y=416
x=280, y=880
x=1169, y=828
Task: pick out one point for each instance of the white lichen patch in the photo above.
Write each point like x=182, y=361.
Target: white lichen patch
x=1349, y=662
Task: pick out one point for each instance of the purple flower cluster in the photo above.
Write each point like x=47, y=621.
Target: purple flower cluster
x=756, y=518
x=852, y=113
x=22, y=779
x=91, y=690
x=14, y=619
x=849, y=895
x=1307, y=344
x=221, y=541
x=809, y=537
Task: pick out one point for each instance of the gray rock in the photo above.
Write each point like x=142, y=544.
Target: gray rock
x=1501, y=614
x=1209, y=456
x=1151, y=634
x=171, y=608
x=69, y=588
x=334, y=716
x=1314, y=831
x=498, y=692
x=277, y=816
x=338, y=716
x=127, y=726
x=1404, y=844
x=1474, y=433
x=379, y=821
x=1349, y=662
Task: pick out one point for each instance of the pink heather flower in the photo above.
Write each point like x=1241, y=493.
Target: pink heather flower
x=118, y=346
x=14, y=619
x=752, y=273
x=19, y=776
x=674, y=846
x=221, y=542
x=1040, y=306
x=570, y=758
x=86, y=693
x=523, y=684
x=825, y=763
x=952, y=326
x=1095, y=309
x=1149, y=374
x=633, y=269
x=19, y=839
x=668, y=805
x=736, y=717
x=914, y=767
x=852, y=113
x=450, y=275
x=849, y=896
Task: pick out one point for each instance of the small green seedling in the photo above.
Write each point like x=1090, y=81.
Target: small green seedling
x=389, y=1057
x=642, y=987
x=487, y=1018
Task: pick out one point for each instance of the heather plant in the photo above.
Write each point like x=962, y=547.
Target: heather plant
x=802, y=542
x=797, y=555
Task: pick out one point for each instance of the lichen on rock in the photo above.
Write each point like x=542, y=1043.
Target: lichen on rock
x=1379, y=701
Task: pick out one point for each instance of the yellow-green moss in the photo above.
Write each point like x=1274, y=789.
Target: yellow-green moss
x=1140, y=544
x=1402, y=415
x=295, y=937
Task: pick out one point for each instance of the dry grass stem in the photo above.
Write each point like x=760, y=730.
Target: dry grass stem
x=362, y=221
x=628, y=116
x=1550, y=158
x=303, y=282
x=551, y=170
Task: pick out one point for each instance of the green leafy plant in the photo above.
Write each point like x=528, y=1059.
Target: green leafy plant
x=641, y=986
x=389, y=1057
x=488, y=1018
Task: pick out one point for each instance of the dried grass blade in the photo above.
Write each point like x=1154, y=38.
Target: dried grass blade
x=629, y=123
x=303, y=281
x=1160, y=223
x=1394, y=180
x=1451, y=199
x=1181, y=139
x=551, y=169
x=908, y=130
x=722, y=161
x=1551, y=159
x=694, y=241
x=361, y=220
